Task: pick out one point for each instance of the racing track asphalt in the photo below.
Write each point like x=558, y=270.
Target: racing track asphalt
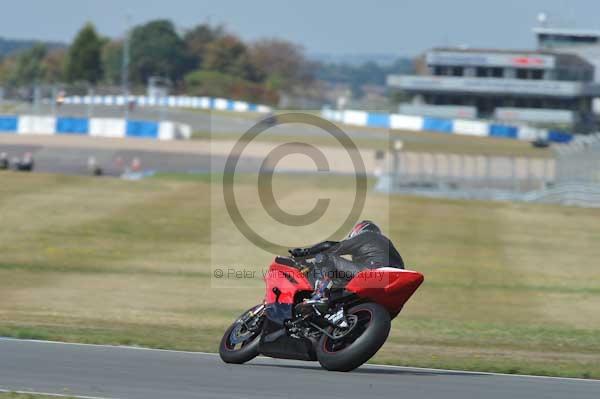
x=125, y=372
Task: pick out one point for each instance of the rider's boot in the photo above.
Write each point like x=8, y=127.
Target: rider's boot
x=319, y=302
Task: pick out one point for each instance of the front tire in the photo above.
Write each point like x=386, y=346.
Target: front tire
x=239, y=344
x=362, y=342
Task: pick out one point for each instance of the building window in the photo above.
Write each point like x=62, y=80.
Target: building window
x=457, y=71
x=521, y=73
x=537, y=74
x=497, y=72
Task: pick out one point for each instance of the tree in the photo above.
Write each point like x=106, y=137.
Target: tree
x=228, y=55
x=196, y=41
x=8, y=68
x=283, y=62
x=54, y=66
x=112, y=61
x=217, y=84
x=156, y=50
x=29, y=67
x=84, y=62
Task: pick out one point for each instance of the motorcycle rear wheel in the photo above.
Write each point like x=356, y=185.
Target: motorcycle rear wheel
x=238, y=334
x=371, y=329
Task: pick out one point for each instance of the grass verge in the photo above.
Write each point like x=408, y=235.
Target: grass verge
x=509, y=288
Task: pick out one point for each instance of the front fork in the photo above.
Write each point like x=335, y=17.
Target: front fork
x=249, y=316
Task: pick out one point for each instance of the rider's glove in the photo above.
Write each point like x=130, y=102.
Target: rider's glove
x=299, y=252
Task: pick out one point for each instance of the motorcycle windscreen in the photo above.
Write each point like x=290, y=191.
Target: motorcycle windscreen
x=389, y=287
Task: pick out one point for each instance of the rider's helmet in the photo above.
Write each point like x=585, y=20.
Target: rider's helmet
x=362, y=227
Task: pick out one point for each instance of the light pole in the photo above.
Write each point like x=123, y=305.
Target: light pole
x=125, y=67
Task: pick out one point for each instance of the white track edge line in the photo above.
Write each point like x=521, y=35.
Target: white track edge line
x=57, y=395
x=141, y=348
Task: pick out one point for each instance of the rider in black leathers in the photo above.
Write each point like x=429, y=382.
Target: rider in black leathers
x=366, y=245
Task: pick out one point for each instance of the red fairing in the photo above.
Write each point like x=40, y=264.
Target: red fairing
x=288, y=280
x=386, y=286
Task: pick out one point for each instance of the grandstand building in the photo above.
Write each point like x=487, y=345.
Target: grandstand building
x=584, y=43
x=547, y=88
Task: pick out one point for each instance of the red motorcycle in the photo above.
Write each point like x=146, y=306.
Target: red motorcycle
x=342, y=337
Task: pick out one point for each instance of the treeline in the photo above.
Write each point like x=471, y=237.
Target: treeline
x=206, y=60
x=368, y=73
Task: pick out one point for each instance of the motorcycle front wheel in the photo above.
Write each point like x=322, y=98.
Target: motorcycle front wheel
x=369, y=329
x=240, y=342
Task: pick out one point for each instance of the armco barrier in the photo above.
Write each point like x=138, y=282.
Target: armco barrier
x=511, y=132
x=96, y=127
x=437, y=125
x=8, y=124
x=107, y=127
x=378, y=120
x=559, y=137
x=222, y=104
x=31, y=124
x=72, y=125
x=454, y=126
x=142, y=129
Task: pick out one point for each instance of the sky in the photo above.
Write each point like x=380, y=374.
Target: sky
x=402, y=27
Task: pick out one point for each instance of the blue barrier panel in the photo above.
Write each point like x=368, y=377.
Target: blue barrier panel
x=230, y=106
x=252, y=107
x=504, y=131
x=9, y=124
x=72, y=125
x=559, y=137
x=437, y=125
x=142, y=129
x=378, y=120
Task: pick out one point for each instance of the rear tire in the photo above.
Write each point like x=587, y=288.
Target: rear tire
x=336, y=355
x=248, y=349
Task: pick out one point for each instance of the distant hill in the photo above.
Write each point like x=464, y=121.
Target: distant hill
x=12, y=46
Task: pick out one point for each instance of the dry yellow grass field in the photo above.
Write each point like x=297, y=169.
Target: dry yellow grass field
x=509, y=287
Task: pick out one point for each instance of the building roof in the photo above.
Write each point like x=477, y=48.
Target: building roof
x=567, y=32
x=562, y=56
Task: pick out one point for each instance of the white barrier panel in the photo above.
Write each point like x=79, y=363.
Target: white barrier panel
x=166, y=130
x=358, y=118
x=327, y=114
x=183, y=131
x=263, y=108
x=471, y=128
x=529, y=133
x=107, y=127
x=220, y=103
x=172, y=101
x=406, y=122
x=30, y=124
x=204, y=102
x=338, y=116
x=240, y=106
